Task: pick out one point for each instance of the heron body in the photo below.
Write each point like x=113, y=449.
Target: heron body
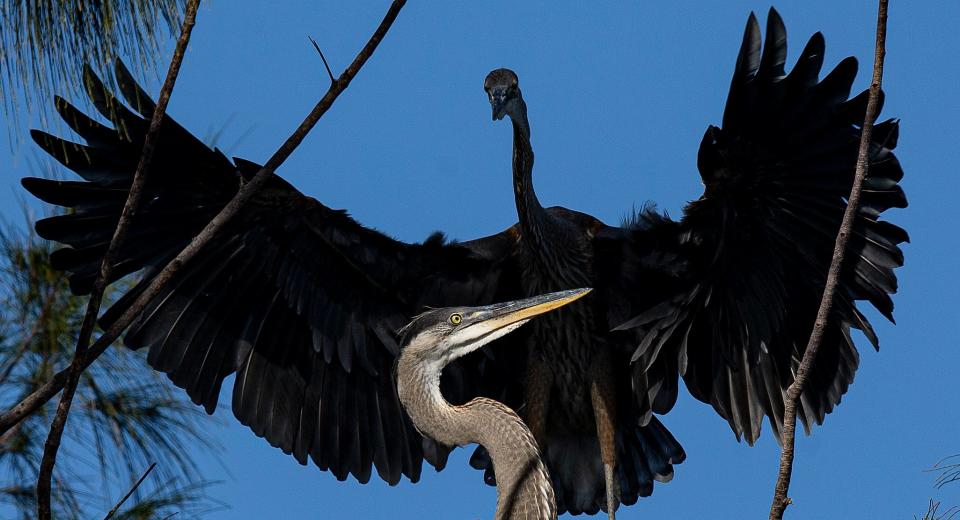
x=571, y=389
x=302, y=303
x=564, y=341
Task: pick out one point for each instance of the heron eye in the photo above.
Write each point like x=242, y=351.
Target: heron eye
x=456, y=319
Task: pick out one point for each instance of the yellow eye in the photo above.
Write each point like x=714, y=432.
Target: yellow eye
x=456, y=319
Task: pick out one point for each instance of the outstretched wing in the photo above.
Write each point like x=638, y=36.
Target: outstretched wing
x=298, y=300
x=748, y=262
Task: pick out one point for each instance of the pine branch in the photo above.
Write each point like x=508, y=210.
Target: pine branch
x=780, y=498
x=44, y=45
x=52, y=444
x=24, y=346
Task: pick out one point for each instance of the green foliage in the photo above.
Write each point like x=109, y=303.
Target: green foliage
x=125, y=415
x=44, y=43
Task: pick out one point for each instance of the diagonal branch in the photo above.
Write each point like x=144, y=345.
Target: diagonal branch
x=52, y=445
x=132, y=490
x=780, y=498
x=45, y=392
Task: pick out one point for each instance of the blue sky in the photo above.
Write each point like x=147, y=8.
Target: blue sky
x=619, y=96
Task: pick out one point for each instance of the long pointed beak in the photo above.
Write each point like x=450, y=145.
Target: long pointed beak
x=497, y=104
x=495, y=317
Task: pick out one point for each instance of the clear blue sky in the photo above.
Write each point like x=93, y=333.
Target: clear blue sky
x=619, y=96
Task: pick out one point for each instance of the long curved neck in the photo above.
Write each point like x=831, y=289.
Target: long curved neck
x=535, y=223
x=524, y=489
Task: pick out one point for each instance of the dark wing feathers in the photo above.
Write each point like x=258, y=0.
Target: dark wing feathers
x=753, y=251
x=296, y=299
x=645, y=453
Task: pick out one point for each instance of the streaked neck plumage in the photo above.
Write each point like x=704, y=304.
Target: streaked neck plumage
x=524, y=489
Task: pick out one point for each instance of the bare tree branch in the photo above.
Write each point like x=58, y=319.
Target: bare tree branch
x=132, y=489
x=46, y=391
x=780, y=498
x=130, y=207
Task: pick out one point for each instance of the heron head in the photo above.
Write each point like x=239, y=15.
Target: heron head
x=440, y=336
x=503, y=90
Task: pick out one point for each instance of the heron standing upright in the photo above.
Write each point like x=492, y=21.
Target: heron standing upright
x=570, y=390
x=301, y=302
x=437, y=337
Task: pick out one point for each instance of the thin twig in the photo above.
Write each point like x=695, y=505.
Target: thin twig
x=322, y=57
x=780, y=498
x=948, y=472
x=132, y=489
x=52, y=445
x=46, y=391
x=933, y=512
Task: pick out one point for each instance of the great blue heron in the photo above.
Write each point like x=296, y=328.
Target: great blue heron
x=724, y=277
x=436, y=338
x=301, y=302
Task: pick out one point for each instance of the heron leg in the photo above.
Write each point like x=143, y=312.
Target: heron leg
x=539, y=383
x=604, y=411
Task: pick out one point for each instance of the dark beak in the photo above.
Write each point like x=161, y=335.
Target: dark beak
x=498, y=100
x=497, y=316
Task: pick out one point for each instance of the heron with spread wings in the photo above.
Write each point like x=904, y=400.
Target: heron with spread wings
x=302, y=303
